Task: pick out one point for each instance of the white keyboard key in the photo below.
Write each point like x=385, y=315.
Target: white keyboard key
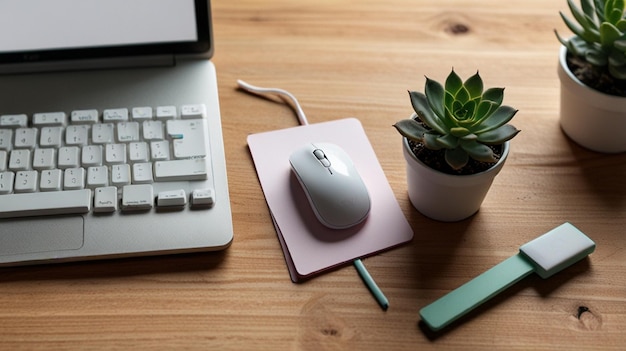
x=91, y=155
x=49, y=119
x=115, y=154
x=74, y=178
x=77, y=134
x=142, y=113
x=44, y=159
x=97, y=176
x=25, y=182
x=4, y=157
x=120, y=175
x=51, y=180
x=45, y=203
x=25, y=138
x=153, y=130
x=51, y=137
x=165, y=112
x=69, y=157
x=6, y=139
x=160, y=150
x=127, y=132
x=14, y=121
x=19, y=160
x=105, y=199
x=203, y=197
x=172, y=198
x=115, y=115
x=102, y=133
x=138, y=152
x=137, y=197
x=142, y=173
x=193, y=111
x=6, y=182
x=190, y=169
x=84, y=116
x=188, y=137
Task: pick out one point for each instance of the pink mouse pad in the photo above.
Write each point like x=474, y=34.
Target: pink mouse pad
x=309, y=247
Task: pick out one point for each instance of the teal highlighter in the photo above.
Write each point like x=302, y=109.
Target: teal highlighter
x=545, y=255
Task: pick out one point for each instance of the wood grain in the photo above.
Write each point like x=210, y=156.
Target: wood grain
x=352, y=58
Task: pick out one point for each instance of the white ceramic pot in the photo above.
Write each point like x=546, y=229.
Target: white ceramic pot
x=592, y=119
x=446, y=197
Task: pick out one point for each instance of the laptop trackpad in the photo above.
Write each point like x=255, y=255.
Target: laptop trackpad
x=31, y=235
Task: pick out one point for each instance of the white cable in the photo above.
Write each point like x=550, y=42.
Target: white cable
x=264, y=91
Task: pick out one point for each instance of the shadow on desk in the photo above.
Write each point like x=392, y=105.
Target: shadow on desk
x=603, y=174
x=435, y=244
x=114, y=268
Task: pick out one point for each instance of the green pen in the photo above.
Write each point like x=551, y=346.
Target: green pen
x=371, y=284
x=545, y=255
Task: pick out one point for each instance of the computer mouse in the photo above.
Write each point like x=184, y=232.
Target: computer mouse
x=334, y=188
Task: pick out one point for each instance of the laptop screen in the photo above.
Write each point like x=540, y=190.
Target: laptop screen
x=43, y=30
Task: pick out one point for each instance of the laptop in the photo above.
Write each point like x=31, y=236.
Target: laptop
x=110, y=131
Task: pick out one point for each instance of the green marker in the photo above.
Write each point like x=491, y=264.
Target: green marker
x=545, y=255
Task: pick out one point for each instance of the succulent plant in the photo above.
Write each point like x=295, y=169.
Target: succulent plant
x=460, y=118
x=599, y=34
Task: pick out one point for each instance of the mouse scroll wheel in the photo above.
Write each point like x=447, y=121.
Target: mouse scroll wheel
x=321, y=157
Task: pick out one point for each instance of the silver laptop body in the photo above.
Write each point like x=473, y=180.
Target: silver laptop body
x=111, y=75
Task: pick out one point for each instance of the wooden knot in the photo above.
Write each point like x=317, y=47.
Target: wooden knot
x=457, y=28
x=587, y=319
x=321, y=328
x=581, y=310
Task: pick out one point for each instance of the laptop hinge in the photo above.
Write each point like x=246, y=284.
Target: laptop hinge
x=88, y=64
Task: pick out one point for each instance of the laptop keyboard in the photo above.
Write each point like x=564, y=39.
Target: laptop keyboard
x=120, y=159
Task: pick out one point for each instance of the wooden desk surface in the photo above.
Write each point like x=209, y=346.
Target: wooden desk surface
x=358, y=58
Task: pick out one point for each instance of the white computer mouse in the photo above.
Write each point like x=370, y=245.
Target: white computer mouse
x=334, y=188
